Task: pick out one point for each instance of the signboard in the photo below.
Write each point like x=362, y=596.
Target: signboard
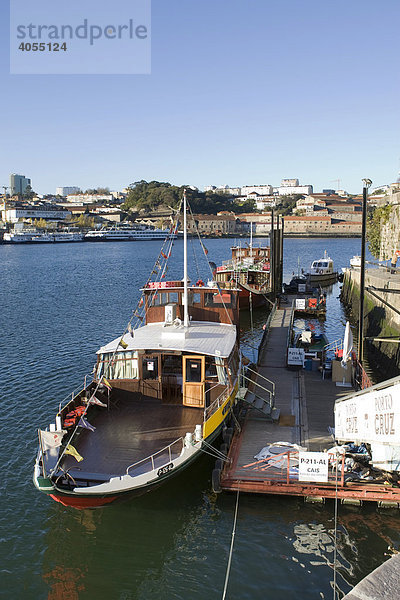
x=373, y=416
x=301, y=287
x=313, y=466
x=295, y=357
x=300, y=303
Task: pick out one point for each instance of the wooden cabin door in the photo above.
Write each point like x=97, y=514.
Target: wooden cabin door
x=193, y=380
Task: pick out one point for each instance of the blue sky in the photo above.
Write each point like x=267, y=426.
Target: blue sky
x=239, y=93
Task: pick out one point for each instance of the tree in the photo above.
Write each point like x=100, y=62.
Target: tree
x=377, y=218
x=28, y=193
x=155, y=195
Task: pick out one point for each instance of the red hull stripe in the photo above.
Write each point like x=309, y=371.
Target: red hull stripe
x=77, y=502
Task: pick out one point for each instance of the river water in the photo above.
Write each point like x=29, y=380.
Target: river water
x=59, y=303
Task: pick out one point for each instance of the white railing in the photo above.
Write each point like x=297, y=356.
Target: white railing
x=158, y=459
x=72, y=395
x=218, y=402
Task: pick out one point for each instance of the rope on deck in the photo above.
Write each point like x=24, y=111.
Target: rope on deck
x=228, y=569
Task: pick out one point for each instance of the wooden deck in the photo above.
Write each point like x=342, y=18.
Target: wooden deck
x=133, y=429
x=306, y=402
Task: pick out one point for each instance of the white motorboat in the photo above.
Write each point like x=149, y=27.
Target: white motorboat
x=322, y=271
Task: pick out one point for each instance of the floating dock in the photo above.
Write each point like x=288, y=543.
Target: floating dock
x=303, y=416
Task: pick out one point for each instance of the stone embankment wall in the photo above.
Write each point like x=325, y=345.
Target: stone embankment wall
x=379, y=319
x=390, y=231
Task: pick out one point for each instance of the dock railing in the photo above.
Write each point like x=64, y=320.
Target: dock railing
x=266, y=329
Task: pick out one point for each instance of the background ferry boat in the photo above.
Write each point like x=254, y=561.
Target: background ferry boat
x=34, y=236
x=249, y=270
x=322, y=271
x=126, y=234
x=160, y=395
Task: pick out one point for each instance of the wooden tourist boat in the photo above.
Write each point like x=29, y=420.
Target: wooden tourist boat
x=249, y=270
x=160, y=395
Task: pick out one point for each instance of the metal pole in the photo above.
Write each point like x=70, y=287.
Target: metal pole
x=367, y=183
x=185, y=284
x=272, y=254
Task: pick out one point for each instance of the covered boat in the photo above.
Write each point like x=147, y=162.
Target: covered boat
x=249, y=270
x=160, y=395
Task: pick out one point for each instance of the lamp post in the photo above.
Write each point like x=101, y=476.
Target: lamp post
x=367, y=183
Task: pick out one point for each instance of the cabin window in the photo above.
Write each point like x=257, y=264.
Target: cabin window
x=216, y=299
x=211, y=369
x=150, y=368
x=173, y=298
x=193, y=370
x=196, y=298
x=219, y=362
x=124, y=365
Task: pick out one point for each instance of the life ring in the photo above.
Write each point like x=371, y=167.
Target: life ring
x=200, y=283
x=177, y=322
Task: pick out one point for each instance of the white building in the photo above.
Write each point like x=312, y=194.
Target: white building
x=13, y=215
x=287, y=190
x=263, y=190
x=289, y=183
x=64, y=191
x=89, y=198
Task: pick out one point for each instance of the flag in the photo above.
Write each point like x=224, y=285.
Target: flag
x=51, y=439
x=94, y=400
x=85, y=424
x=163, y=255
x=73, y=452
x=107, y=383
x=130, y=329
x=123, y=344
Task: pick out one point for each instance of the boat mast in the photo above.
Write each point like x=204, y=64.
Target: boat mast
x=185, y=284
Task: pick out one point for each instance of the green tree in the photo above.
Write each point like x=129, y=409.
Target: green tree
x=376, y=219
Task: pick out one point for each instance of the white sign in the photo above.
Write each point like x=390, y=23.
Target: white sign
x=313, y=466
x=295, y=357
x=370, y=417
x=300, y=303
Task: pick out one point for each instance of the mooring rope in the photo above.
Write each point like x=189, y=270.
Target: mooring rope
x=228, y=569
x=335, y=536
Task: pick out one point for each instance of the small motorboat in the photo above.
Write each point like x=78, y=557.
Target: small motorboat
x=322, y=271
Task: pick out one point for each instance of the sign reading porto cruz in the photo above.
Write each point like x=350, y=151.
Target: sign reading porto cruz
x=370, y=417
x=313, y=466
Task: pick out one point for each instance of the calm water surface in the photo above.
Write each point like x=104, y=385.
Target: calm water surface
x=58, y=305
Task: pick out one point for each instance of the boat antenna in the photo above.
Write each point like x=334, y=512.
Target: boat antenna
x=185, y=283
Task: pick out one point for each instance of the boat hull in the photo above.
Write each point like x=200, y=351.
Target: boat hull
x=322, y=278
x=81, y=500
x=245, y=302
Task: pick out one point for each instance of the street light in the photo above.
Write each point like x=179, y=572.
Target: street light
x=367, y=183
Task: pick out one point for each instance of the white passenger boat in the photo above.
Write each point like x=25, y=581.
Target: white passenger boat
x=126, y=234
x=322, y=271
x=34, y=236
x=160, y=395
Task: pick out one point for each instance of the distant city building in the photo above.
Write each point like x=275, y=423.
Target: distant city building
x=64, y=191
x=18, y=184
x=89, y=198
x=289, y=183
x=289, y=190
x=262, y=190
x=47, y=212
